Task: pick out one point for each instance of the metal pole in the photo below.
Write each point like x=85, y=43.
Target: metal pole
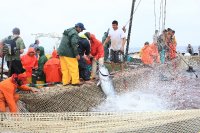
x=2, y=64
x=129, y=30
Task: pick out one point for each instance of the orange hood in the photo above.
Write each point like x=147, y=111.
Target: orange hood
x=92, y=38
x=30, y=50
x=22, y=77
x=55, y=54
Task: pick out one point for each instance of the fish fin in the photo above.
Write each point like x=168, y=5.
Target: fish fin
x=98, y=83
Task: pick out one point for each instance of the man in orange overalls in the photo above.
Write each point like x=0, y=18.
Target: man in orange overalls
x=8, y=95
x=29, y=62
x=156, y=56
x=146, y=54
x=173, y=46
x=52, y=69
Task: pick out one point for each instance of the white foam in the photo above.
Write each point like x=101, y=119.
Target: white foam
x=136, y=101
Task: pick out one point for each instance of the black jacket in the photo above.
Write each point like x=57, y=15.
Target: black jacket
x=84, y=47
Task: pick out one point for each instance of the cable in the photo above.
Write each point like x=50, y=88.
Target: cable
x=165, y=8
x=155, y=13
x=160, y=15
x=137, y=6
x=133, y=13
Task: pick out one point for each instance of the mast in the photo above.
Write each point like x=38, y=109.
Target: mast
x=129, y=30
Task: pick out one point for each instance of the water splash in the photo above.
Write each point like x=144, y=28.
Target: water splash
x=180, y=90
x=132, y=101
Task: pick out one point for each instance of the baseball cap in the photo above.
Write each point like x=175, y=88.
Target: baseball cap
x=80, y=25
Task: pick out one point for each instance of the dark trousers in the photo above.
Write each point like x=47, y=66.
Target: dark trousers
x=106, y=52
x=15, y=66
x=116, y=56
x=84, y=73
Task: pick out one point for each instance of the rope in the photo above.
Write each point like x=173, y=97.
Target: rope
x=133, y=13
x=45, y=84
x=155, y=13
x=165, y=13
x=137, y=6
x=160, y=15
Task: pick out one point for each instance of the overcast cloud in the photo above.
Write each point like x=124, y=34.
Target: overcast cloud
x=36, y=16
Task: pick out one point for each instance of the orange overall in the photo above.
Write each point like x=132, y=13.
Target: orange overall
x=146, y=55
x=173, y=48
x=29, y=62
x=52, y=69
x=8, y=95
x=155, y=53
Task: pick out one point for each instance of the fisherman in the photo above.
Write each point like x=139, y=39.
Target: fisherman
x=168, y=40
x=8, y=95
x=68, y=52
x=173, y=46
x=155, y=37
x=146, y=54
x=199, y=50
x=13, y=47
x=96, y=53
x=29, y=62
x=107, y=46
x=35, y=45
x=52, y=69
x=190, y=49
x=156, y=56
x=118, y=40
x=42, y=60
x=84, y=52
x=162, y=46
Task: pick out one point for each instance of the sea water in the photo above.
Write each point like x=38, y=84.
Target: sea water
x=180, y=90
x=136, y=101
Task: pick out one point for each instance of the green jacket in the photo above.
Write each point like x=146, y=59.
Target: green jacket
x=69, y=43
x=104, y=38
x=42, y=60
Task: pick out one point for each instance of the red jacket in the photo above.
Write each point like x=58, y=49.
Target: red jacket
x=29, y=62
x=52, y=69
x=97, y=49
x=8, y=95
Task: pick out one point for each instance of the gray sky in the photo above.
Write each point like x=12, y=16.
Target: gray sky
x=36, y=16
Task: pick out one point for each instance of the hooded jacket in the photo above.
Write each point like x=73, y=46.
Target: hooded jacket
x=29, y=62
x=8, y=93
x=97, y=49
x=146, y=55
x=42, y=60
x=84, y=47
x=52, y=69
x=154, y=51
x=69, y=43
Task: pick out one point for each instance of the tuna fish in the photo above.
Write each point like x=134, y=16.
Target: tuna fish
x=105, y=81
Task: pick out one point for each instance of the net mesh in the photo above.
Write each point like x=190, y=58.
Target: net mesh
x=75, y=101
x=151, y=122
x=63, y=99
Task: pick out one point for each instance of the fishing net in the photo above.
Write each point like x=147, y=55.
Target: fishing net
x=50, y=103
x=151, y=122
x=63, y=99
